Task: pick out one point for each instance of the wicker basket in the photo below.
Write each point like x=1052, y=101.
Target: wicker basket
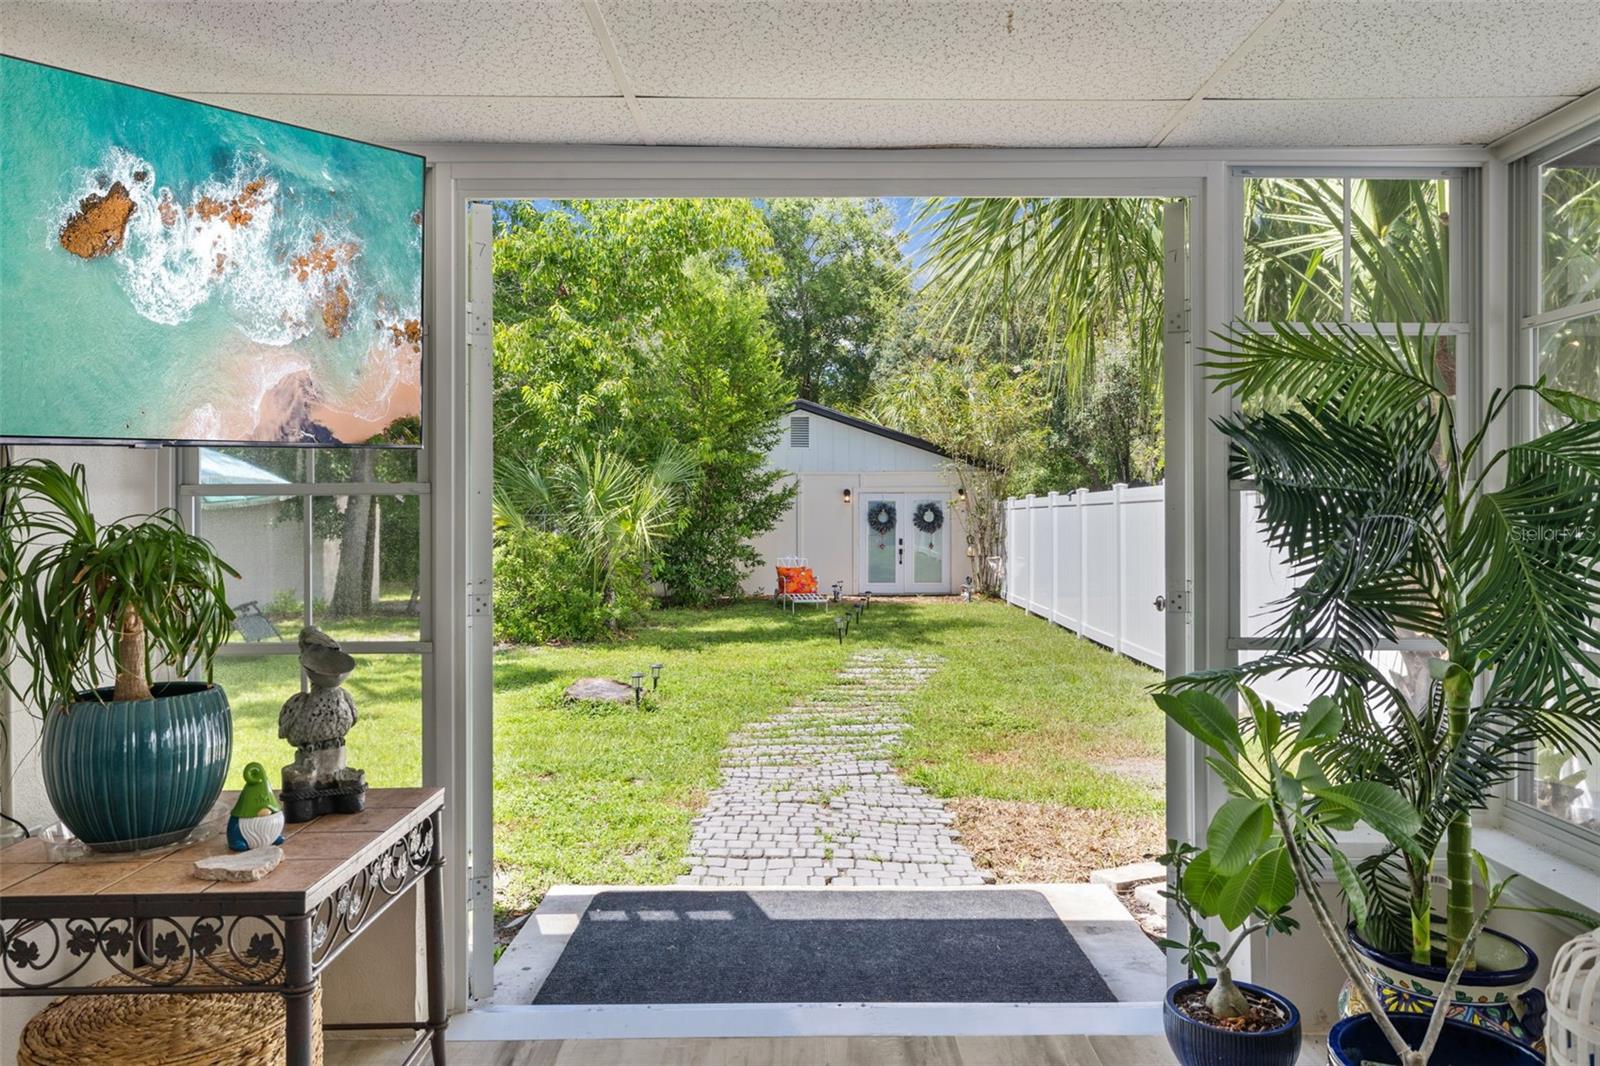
x=210, y=1029
x=1572, y=1033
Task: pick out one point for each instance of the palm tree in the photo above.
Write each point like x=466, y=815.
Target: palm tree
x=1062, y=275
x=614, y=510
x=1398, y=527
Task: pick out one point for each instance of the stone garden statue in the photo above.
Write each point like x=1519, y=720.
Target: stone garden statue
x=315, y=722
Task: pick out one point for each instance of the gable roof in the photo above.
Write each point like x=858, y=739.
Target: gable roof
x=814, y=408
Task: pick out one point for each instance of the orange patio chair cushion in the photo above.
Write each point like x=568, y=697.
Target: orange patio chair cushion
x=796, y=580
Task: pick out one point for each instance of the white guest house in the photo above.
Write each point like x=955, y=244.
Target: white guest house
x=877, y=509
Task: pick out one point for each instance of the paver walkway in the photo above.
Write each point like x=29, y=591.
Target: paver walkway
x=809, y=796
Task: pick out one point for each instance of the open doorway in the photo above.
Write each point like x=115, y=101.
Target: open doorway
x=672, y=360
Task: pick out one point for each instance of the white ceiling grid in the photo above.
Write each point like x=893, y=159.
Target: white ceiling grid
x=847, y=73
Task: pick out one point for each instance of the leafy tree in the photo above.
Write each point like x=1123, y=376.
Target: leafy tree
x=842, y=284
x=1113, y=433
x=988, y=415
x=635, y=324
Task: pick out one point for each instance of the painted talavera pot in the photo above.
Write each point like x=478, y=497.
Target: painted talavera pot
x=126, y=775
x=1195, y=1043
x=1490, y=996
x=1358, y=1040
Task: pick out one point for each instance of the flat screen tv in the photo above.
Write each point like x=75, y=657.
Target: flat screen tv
x=176, y=272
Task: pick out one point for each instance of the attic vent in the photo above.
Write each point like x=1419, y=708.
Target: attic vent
x=799, y=431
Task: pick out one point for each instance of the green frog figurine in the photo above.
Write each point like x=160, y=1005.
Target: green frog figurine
x=257, y=820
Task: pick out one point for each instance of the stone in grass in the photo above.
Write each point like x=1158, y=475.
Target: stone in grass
x=599, y=690
x=239, y=865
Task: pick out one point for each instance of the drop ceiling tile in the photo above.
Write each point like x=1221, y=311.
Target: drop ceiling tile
x=1316, y=123
x=1414, y=48
x=484, y=47
x=411, y=119
x=904, y=123
x=927, y=49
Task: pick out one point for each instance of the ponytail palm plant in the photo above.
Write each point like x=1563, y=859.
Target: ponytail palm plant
x=1401, y=522
x=80, y=599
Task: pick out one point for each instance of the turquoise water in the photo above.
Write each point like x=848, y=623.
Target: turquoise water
x=152, y=341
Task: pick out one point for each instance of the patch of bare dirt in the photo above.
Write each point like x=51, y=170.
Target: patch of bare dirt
x=1043, y=842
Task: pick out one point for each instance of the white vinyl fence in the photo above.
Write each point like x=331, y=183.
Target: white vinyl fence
x=1093, y=562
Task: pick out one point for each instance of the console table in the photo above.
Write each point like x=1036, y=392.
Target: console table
x=339, y=872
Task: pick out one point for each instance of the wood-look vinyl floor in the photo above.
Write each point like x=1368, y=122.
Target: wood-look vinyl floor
x=800, y=1051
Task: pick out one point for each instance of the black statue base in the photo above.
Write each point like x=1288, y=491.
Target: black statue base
x=304, y=804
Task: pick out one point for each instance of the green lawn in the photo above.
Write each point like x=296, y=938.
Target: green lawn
x=1020, y=710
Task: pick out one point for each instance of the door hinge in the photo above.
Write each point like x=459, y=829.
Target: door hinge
x=1177, y=320
x=480, y=604
x=480, y=889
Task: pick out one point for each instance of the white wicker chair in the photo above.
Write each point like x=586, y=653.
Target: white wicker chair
x=789, y=599
x=1572, y=999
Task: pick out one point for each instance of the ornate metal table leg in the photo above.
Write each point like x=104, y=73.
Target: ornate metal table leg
x=433, y=938
x=298, y=986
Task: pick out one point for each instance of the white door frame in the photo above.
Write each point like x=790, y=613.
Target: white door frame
x=457, y=718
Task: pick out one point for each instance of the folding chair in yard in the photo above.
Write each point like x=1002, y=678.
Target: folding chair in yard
x=797, y=583
x=253, y=625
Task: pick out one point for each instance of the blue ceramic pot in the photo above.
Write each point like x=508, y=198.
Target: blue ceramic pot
x=1358, y=1039
x=1198, y=1044
x=1491, y=995
x=125, y=775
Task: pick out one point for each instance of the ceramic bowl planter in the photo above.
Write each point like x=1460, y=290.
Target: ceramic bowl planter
x=1195, y=1043
x=126, y=775
x=1489, y=996
x=1358, y=1040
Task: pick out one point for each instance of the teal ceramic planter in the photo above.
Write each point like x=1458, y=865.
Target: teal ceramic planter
x=140, y=773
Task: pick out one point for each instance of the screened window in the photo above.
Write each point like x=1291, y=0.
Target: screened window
x=1561, y=336
x=1377, y=253
x=326, y=537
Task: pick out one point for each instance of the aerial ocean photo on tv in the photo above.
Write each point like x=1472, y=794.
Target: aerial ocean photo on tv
x=173, y=271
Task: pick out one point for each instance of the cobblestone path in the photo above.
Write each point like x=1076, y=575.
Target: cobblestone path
x=809, y=797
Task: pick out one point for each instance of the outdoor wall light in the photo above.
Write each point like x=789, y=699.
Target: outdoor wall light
x=638, y=687
x=655, y=676
x=847, y=496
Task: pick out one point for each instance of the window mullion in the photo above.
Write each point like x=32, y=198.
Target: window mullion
x=1346, y=279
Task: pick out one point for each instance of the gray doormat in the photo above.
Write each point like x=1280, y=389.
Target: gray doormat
x=773, y=946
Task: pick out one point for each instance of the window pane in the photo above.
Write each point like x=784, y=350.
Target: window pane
x=252, y=466
x=1293, y=243
x=386, y=740
x=261, y=537
x=366, y=464
x=1567, y=786
x=1399, y=251
x=1569, y=356
x=367, y=555
x=1569, y=221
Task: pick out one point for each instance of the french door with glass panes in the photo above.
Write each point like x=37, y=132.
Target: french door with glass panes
x=905, y=539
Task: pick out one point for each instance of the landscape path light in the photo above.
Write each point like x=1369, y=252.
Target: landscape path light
x=638, y=687
x=655, y=676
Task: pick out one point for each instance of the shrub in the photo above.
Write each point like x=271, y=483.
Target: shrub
x=543, y=591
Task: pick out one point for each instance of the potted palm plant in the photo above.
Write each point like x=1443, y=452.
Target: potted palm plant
x=1288, y=796
x=1406, y=526
x=136, y=763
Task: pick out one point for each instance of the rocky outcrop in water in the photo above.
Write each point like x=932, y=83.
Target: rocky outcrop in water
x=100, y=222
